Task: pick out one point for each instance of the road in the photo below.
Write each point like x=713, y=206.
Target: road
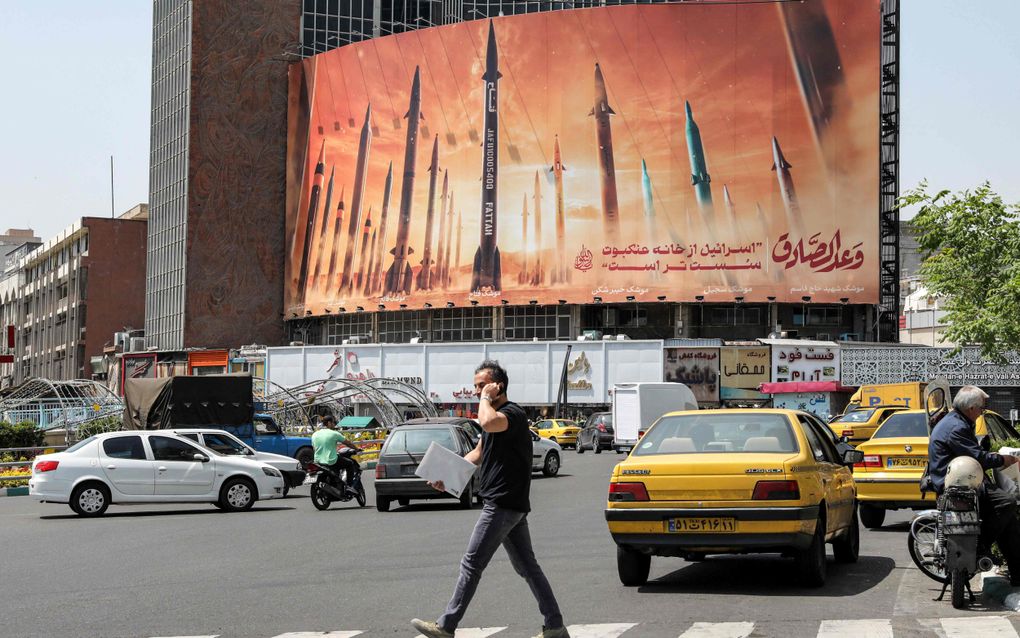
x=191, y=570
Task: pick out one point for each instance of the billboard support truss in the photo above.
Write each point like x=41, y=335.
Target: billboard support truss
x=889, y=179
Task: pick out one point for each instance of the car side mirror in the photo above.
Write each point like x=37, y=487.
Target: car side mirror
x=202, y=458
x=852, y=457
x=844, y=439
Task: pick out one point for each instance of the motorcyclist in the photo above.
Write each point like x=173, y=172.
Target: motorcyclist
x=954, y=436
x=326, y=441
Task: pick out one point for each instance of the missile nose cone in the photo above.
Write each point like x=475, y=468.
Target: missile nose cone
x=416, y=83
x=322, y=153
x=687, y=110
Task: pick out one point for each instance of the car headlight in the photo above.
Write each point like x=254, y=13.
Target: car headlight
x=271, y=471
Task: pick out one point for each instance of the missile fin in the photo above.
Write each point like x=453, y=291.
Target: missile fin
x=497, y=272
x=610, y=110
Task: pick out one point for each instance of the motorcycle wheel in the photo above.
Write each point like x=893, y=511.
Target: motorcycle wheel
x=361, y=495
x=921, y=547
x=320, y=499
x=959, y=587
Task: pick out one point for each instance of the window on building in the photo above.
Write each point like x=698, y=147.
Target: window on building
x=531, y=322
x=736, y=315
x=402, y=326
x=340, y=327
x=462, y=324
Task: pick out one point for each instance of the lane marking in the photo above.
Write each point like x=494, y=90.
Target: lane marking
x=719, y=630
x=606, y=630
x=320, y=634
x=475, y=632
x=985, y=627
x=854, y=628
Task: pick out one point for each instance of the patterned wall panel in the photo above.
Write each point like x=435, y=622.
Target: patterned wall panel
x=237, y=171
x=893, y=365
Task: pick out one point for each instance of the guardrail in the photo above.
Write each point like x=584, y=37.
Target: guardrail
x=32, y=451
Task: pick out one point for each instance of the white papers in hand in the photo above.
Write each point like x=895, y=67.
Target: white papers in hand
x=440, y=464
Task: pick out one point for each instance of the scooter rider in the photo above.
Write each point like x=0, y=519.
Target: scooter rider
x=325, y=442
x=954, y=436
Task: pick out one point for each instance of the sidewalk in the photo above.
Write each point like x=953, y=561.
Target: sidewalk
x=996, y=587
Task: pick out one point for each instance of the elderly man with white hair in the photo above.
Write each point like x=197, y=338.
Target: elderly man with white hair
x=953, y=437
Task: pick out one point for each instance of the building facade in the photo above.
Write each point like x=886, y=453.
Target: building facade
x=217, y=171
x=68, y=296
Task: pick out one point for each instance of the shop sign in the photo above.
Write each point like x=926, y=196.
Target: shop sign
x=697, y=368
x=744, y=367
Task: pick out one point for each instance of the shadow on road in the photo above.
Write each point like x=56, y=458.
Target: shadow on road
x=894, y=527
x=768, y=576
x=141, y=514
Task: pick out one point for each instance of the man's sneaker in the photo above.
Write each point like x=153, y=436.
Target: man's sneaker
x=430, y=629
x=559, y=632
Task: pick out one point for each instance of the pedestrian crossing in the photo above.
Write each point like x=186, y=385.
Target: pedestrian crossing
x=975, y=626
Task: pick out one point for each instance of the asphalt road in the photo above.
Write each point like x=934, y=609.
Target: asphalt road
x=285, y=567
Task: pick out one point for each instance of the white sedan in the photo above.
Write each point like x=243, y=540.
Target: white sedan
x=546, y=455
x=149, y=467
x=226, y=444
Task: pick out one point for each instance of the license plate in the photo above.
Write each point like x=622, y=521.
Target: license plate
x=693, y=525
x=408, y=470
x=905, y=461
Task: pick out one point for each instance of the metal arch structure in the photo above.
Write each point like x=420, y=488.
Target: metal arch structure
x=59, y=404
x=339, y=396
x=286, y=408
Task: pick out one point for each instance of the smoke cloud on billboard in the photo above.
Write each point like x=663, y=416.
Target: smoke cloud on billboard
x=620, y=153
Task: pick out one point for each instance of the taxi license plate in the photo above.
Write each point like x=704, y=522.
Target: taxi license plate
x=693, y=525
x=905, y=461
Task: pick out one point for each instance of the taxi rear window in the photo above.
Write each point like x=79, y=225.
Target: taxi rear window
x=719, y=433
x=857, y=416
x=903, y=425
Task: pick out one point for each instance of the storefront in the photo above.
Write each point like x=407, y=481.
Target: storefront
x=445, y=372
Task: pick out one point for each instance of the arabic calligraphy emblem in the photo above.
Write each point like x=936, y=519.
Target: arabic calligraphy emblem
x=583, y=261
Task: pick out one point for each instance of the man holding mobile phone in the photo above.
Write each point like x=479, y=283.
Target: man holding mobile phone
x=504, y=456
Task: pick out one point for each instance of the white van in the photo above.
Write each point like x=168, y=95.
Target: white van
x=637, y=405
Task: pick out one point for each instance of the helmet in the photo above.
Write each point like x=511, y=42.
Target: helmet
x=964, y=471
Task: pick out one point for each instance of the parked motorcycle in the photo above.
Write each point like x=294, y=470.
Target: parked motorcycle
x=329, y=485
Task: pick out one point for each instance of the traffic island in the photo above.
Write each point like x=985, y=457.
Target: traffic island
x=14, y=491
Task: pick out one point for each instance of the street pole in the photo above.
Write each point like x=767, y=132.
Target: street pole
x=561, y=391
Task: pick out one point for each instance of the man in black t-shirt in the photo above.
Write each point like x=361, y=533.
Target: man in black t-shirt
x=504, y=456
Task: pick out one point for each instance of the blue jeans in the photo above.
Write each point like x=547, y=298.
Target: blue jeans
x=497, y=526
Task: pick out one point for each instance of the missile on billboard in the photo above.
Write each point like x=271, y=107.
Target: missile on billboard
x=313, y=207
x=398, y=277
x=460, y=227
x=522, y=278
x=374, y=283
x=786, y=190
x=357, y=196
x=700, y=179
x=371, y=264
x=425, y=274
x=486, y=273
x=607, y=165
x=538, y=275
x=320, y=253
x=338, y=226
x=445, y=275
x=444, y=199
x=649, y=200
x=562, y=272
x=360, y=277
x=731, y=213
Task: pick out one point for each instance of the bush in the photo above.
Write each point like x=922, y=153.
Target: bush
x=24, y=434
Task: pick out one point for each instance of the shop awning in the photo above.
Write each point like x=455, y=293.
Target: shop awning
x=786, y=387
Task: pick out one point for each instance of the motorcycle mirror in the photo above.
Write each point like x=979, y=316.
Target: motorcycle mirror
x=937, y=401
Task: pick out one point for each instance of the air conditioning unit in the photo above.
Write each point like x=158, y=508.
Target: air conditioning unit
x=137, y=344
x=590, y=335
x=822, y=336
x=296, y=343
x=850, y=336
x=120, y=340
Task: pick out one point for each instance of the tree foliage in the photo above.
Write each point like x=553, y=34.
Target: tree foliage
x=970, y=243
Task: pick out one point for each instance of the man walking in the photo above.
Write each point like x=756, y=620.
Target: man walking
x=504, y=455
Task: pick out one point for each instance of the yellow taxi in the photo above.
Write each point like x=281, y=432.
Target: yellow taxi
x=858, y=425
x=734, y=481
x=562, y=431
x=889, y=475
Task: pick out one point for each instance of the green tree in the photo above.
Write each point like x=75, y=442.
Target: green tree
x=970, y=243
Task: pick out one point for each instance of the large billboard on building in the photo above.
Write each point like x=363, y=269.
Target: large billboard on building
x=728, y=151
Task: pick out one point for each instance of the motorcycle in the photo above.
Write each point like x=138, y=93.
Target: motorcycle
x=329, y=485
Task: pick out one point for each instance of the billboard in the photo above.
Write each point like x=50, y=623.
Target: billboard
x=728, y=151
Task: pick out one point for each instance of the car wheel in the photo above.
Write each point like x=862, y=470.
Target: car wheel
x=632, y=566
x=304, y=456
x=551, y=467
x=403, y=502
x=90, y=499
x=238, y=495
x=382, y=504
x=320, y=499
x=848, y=548
x=811, y=560
x=579, y=448
x=596, y=447
x=466, y=498
x=872, y=516
x=286, y=490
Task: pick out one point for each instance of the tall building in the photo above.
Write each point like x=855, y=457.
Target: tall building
x=217, y=171
x=67, y=296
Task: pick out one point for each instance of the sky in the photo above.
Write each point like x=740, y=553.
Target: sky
x=78, y=91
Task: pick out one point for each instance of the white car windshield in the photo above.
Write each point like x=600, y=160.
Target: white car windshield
x=225, y=445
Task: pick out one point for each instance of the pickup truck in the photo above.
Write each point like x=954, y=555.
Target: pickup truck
x=266, y=436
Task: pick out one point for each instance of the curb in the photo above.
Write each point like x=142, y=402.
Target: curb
x=997, y=588
x=14, y=491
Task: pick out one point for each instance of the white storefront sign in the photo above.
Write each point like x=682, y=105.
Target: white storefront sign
x=446, y=371
x=803, y=360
